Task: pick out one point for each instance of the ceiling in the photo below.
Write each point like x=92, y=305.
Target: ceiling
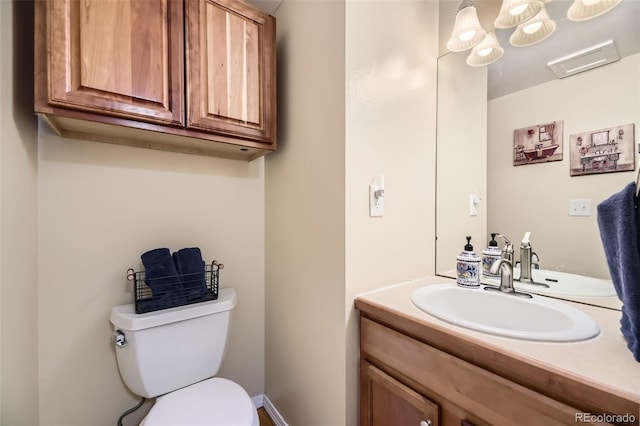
x=267, y=6
x=522, y=67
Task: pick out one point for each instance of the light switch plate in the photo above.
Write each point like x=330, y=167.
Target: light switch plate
x=580, y=207
x=376, y=205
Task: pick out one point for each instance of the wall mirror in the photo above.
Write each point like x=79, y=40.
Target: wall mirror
x=480, y=190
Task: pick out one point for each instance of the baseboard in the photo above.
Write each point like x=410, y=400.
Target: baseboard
x=258, y=400
x=262, y=401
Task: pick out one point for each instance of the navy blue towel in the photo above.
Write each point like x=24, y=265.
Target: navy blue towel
x=619, y=223
x=162, y=277
x=190, y=266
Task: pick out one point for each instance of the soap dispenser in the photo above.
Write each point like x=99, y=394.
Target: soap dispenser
x=468, y=267
x=490, y=255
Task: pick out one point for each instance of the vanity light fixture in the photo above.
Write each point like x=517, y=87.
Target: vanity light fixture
x=515, y=12
x=487, y=52
x=533, y=31
x=533, y=26
x=467, y=31
x=582, y=10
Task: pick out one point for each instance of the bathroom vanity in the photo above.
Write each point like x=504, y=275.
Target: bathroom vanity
x=418, y=370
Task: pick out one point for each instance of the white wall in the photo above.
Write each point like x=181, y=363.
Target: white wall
x=390, y=129
x=462, y=158
x=100, y=207
x=305, y=198
x=391, y=50
x=322, y=247
x=536, y=197
x=18, y=236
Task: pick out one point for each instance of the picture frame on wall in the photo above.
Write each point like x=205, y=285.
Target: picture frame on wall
x=539, y=143
x=603, y=151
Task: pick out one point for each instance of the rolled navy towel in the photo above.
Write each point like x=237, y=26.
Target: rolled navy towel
x=190, y=266
x=162, y=277
x=155, y=303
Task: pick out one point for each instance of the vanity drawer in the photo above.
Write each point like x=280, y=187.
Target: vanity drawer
x=470, y=392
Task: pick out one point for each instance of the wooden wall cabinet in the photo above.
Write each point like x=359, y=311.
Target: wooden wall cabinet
x=423, y=378
x=195, y=76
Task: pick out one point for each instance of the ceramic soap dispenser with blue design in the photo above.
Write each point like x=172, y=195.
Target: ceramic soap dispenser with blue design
x=489, y=256
x=469, y=267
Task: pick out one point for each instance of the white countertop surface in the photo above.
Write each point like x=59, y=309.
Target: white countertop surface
x=604, y=361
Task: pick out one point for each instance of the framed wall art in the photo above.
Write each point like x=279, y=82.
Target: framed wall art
x=538, y=144
x=603, y=151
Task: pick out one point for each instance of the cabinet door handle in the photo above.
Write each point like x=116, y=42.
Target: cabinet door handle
x=425, y=422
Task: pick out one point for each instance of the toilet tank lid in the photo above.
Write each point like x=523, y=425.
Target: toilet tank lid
x=124, y=317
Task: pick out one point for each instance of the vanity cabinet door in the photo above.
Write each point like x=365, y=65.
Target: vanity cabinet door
x=121, y=58
x=231, y=70
x=385, y=401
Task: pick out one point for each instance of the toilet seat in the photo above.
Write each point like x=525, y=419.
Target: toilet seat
x=212, y=402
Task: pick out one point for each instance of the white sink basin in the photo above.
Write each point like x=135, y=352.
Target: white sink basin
x=562, y=284
x=538, y=318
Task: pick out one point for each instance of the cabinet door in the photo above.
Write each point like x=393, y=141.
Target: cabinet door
x=385, y=402
x=230, y=70
x=121, y=58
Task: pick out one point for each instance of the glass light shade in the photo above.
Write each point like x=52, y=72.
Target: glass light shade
x=515, y=12
x=487, y=52
x=533, y=31
x=582, y=10
x=467, y=31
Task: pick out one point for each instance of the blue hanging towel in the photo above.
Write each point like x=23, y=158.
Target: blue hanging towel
x=619, y=224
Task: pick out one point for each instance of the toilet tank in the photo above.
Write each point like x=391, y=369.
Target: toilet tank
x=172, y=348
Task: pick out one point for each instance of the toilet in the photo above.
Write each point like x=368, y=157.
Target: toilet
x=173, y=355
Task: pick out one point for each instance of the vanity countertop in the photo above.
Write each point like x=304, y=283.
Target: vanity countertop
x=601, y=371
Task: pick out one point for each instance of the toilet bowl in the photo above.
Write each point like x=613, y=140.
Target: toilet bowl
x=212, y=402
x=173, y=355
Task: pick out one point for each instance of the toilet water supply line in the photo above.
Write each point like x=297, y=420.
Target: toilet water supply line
x=131, y=410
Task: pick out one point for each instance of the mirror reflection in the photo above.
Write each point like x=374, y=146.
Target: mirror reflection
x=481, y=190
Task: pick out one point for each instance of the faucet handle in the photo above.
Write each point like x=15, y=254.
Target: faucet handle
x=507, y=250
x=507, y=244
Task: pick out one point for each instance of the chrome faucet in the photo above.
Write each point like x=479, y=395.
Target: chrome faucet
x=506, y=275
x=526, y=255
x=526, y=262
x=504, y=266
